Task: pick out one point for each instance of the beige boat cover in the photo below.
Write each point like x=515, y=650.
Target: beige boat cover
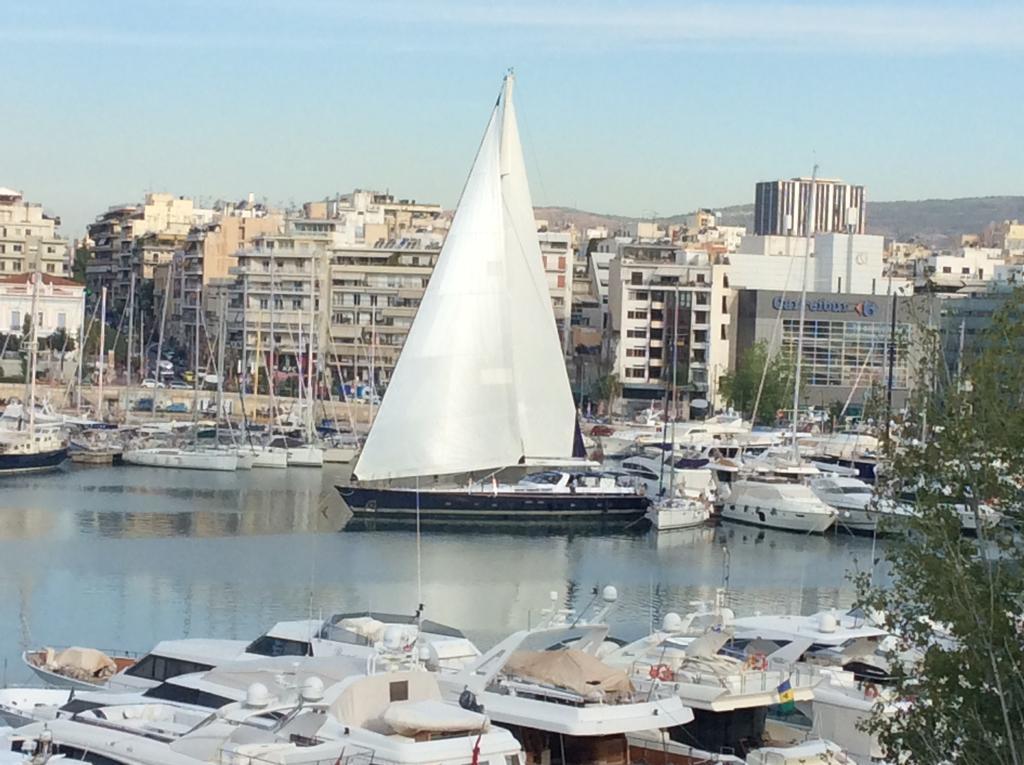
x=81, y=661
x=571, y=669
x=411, y=718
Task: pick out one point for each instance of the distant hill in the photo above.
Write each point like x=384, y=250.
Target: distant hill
x=930, y=220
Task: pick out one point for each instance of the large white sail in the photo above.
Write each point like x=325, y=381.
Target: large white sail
x=480, y=383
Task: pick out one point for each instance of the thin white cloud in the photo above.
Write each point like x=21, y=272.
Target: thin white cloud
x=908, y=28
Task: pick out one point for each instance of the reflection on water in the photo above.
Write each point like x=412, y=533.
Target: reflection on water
x=123, y=557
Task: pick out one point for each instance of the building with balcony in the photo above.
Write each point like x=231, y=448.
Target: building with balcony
x=660, y=312
x=135, y=239
x=780, y=207
x=556, y=249
x=28, y=238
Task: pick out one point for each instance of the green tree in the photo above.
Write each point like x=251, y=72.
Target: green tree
x=965, y=691
x=82, y=258
x=607, y=388
x=740, y=387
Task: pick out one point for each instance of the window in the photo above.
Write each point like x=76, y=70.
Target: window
x=637, y=277
x=700, y=278
x=297, y=304
x=49, y=268
x=154, y=667
x=701, y=317
x=947, y=270
x=264, y=303
x=725, y=304
x=636, y=333
x=635, y=372
x=183, y=695
x=636, y=352
x=16, y=247
x=561, y=281
x=399, y=690
x=636, y=314
x=724, y=334
x=965, y=270
x=62, y=320
x=725, y=280
x=267, y=645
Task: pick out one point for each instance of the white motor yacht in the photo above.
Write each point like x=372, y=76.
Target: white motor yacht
x=321, y=714
x=88, y=669
x=656, y=472
x=772, y=501
x=845, y=650
x=851, y=498
x=562, y=702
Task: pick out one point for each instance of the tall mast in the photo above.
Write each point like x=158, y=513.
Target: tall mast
x=809, y=235
x=272, y=366
x=195, y=355
x=131, y=331
x=103, y=344
x=309, y=356
x=675, y=400
x=160, y=337
x=221, y=333
x=81, y=356
x=33, y=349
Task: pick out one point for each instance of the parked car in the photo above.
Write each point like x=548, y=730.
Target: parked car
x=179, y=385
x=149, y=382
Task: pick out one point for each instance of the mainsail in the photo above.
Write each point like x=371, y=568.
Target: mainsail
x=481, y=382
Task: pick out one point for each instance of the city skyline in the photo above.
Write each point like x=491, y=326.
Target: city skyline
x=627, y=110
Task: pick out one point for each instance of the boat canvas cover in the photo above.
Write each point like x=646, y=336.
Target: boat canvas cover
x=570, y=669
x=481, y=381
x=411, y=718
x=84, y=661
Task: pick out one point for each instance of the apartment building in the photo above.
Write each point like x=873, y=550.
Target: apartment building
x=135, y=238
x=28, y=238
x=780, y=207
x=375, y=291
x=209, y=253
x=660, y=309
x=556, y=249
x=372, y=216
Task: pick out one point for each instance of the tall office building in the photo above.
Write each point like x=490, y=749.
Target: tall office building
x=780, y=207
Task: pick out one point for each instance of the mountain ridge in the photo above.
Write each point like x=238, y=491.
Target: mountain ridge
x=932, y=221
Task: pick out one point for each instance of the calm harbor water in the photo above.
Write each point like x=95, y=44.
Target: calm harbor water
x=124, y=557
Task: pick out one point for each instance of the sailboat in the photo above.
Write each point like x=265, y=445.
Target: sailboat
x=24, y=447
x=481, y=383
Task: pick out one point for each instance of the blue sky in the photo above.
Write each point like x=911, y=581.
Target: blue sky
x=628, y=107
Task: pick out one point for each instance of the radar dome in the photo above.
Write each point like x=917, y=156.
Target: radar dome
x=609, y=594
x=671, y=622
x=312, y=689
x=257, y=695
x=827, y=623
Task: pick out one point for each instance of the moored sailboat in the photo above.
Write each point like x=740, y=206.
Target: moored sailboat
x=481, y=383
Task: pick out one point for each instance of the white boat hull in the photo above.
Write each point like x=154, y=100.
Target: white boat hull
x=183, y=460
x=306, y=456
x=676, y=515
x=269, y=457
x=787, y=519
x=246, y=459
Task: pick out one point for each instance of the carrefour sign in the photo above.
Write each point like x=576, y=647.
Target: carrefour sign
x=866, y=308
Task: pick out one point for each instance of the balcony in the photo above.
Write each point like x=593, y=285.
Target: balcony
x=657, y=324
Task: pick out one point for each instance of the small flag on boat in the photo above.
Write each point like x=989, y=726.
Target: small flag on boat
x=787, y=701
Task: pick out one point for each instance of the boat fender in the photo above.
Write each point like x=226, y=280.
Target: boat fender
x=870, y=691
x=467, y=700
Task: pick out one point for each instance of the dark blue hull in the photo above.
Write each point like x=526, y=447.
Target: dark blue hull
x=11, y=464
x=520, y=508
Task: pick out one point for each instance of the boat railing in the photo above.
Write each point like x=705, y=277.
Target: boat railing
x=740, y=682
x=350, y=754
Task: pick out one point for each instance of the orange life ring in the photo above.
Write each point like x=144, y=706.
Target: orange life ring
x=661, y=672
x=757, y=662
